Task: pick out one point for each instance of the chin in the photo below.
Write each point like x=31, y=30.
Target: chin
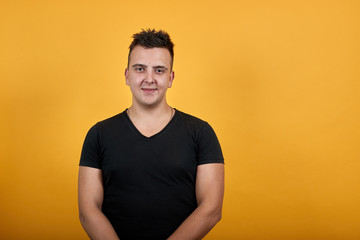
x=151, y=103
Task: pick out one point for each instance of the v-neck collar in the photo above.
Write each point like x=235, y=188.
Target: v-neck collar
x=161, y=132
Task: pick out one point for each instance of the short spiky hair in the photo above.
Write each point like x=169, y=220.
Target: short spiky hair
x=150, y=38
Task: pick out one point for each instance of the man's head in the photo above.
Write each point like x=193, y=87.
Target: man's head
x=149, y=72
x=152, y=39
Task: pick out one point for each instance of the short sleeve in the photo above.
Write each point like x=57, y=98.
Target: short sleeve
x=208, y=146
x=91, y=151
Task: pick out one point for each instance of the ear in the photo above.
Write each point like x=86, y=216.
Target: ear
x=126, y=76
x=171, y=79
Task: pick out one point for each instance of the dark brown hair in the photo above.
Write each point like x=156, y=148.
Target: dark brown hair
x=150, y=38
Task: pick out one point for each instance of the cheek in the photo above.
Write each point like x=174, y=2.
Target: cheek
x=132, y=81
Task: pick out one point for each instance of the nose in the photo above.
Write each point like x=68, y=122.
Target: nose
x=149, y=78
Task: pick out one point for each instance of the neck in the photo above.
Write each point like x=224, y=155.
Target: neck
x=147, y=113
x=150, y=121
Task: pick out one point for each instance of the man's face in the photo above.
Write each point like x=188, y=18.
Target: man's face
x=149, y=75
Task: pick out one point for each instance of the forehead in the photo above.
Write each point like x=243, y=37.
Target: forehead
x=150, y=56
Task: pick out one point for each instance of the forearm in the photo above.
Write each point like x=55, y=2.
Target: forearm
x=198, y=224
x=97, y=226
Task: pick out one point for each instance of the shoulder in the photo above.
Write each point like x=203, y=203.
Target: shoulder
x=207, y=144
x=106, y=126
x=190, y=120
x=196, y=126
x=112, y=120
x=109, y=123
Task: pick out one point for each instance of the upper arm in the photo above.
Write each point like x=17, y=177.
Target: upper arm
x=210, y=185
x=90, y=188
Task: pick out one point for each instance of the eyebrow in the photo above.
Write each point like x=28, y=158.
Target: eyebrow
x=160, y=66
x=144, y=66
x=139, y=65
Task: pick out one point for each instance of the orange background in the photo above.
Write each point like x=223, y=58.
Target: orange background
x=277, y=80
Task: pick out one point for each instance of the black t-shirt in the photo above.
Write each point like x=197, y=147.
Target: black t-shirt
x=149, y=182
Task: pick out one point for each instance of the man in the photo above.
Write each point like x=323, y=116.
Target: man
x=152, y=171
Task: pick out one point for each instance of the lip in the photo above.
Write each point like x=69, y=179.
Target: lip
x=148, y=90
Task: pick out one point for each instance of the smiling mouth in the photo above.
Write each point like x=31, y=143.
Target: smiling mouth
x=149, y=90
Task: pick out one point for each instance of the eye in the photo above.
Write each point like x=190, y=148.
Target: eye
x=159, y=70
x=139, y=69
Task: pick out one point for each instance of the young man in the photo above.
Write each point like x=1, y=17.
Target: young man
x=152, y=171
